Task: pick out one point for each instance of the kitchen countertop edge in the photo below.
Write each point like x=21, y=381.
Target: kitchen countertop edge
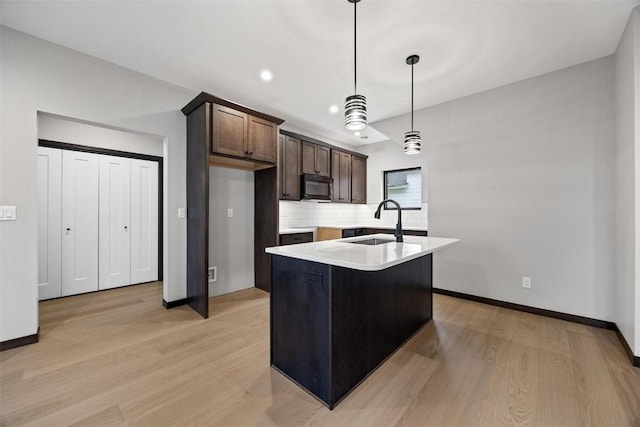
x=367, y=258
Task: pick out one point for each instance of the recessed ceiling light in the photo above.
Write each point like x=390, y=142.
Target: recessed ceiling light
x=333, y=109
x=266, y=75
x=356, y=133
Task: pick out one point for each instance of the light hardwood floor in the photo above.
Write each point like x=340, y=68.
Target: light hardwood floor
x=119, y=358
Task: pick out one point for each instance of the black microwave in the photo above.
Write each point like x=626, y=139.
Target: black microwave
x=315, y=187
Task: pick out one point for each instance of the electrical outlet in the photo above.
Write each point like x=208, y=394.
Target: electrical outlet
x=212, y=274
x=526, y=282
x=230, y=212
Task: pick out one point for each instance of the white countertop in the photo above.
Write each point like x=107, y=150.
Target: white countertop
x=295, y=230
x=341, y=253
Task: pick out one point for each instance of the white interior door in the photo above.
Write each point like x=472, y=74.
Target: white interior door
x=115, y=218
x=79, y=222
x=49, y=222
x=144, y=221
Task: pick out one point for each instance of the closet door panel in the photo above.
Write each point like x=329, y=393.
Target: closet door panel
x=115, y=218
x=49, y=222
x=79, y=222
x=144, y=221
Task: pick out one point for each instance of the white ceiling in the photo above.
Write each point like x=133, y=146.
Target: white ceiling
x=221, y=46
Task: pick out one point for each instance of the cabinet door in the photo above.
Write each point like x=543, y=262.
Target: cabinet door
x=341, y=174
x=358, y=179
x=79, y=222
x=289, y=168
x=49, y=222
x=229, y=131
x=335, y=175
x=292, y=239
x=309, y=158
x=345, y=178
x=144, y=221
x=115, y=222
x=262, y=137
x=323, y=159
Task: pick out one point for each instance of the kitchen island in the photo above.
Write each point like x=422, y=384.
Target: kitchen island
x=340, y=307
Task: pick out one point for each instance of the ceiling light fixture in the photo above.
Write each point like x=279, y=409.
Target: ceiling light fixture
x=266, y=75
x=333, y=109
x=355, y=106
x=412, y=138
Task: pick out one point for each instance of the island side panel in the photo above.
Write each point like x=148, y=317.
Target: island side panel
x=301, y=323
x=374, y=313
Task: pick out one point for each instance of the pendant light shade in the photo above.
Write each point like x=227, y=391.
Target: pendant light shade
x=355, y=106
x=412, y=140
x=355, y=112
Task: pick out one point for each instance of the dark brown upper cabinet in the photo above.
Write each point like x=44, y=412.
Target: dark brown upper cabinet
x=240, y=137
x=289, y=168
x=358, y=179
x=347, y=168
x=261, y=139
x=316, y=159
x=243, y=135
x=341, y=174
x=229, y=131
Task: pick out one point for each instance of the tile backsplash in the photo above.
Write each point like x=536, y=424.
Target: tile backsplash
x=311, y=214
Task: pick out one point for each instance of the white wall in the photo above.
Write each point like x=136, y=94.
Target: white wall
x=385, y=156
x=40, y=76
x=523, y=175
x=231, y=240
x=627, y=62
x=64, y=129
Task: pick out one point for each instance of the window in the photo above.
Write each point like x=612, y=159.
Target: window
x=405, y=187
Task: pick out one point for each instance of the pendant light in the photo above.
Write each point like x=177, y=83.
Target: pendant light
x=412, y=138
x=355, y=106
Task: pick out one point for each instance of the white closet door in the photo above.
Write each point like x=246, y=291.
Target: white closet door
x=115, y=219
x=79, y=222
x=49, y=222
x=144, y=221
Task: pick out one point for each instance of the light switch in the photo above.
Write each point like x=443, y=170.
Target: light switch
x=182, y=212
x=7, y=213
x=230, y=212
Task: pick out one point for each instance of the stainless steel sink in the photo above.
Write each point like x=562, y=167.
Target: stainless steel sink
x=372, y=242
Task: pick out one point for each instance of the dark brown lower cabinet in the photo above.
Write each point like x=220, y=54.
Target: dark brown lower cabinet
x=409, y=232
x=295, y=238
x=332, y=326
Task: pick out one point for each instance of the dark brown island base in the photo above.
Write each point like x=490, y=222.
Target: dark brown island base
x=339, y=309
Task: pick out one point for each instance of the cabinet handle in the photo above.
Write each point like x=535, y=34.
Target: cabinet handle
x=251, y=153
x=125, y=227
x=246, y=153
x=68, y=229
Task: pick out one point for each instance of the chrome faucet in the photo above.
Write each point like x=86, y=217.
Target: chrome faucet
x=398, y=232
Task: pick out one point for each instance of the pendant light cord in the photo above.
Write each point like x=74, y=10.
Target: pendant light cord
x=355, y=63
x=411, y=97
